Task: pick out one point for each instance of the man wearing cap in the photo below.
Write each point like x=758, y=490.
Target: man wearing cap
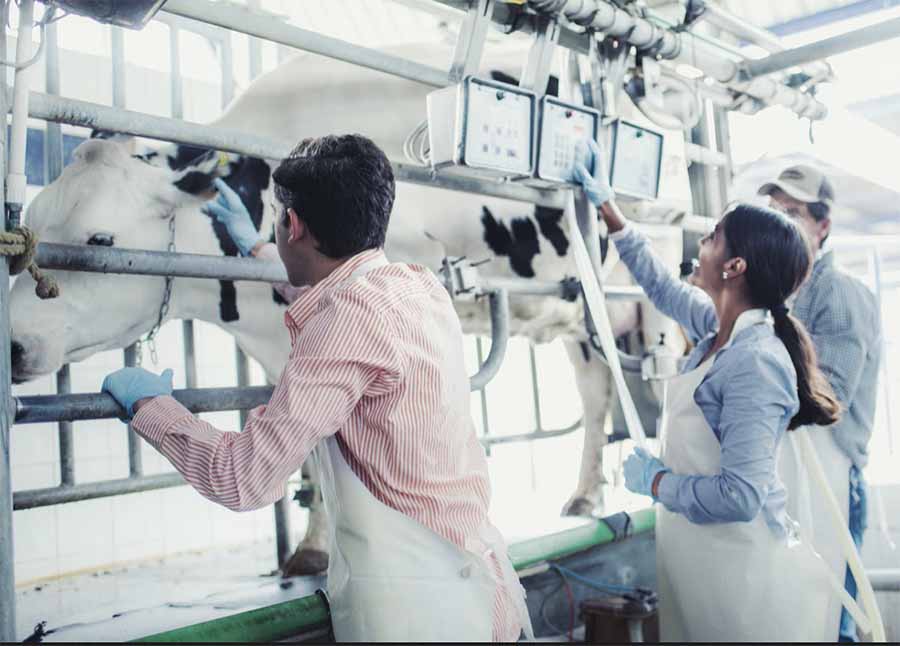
x=843, y=318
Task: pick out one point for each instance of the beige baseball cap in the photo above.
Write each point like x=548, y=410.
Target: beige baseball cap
x=804, y=183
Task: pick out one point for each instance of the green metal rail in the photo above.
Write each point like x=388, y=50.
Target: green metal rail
x=309, y=613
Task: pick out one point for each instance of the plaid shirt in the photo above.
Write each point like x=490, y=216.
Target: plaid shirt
x=842, y=317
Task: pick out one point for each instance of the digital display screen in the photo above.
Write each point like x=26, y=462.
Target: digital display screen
x=636, y=160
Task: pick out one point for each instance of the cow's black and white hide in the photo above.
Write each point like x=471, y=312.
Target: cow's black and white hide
x=109, y=195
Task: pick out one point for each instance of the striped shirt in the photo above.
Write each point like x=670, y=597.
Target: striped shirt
x=376, y=360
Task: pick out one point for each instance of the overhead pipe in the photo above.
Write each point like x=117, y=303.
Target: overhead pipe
x=720, y=17
x=679, y=47
x=780, y=61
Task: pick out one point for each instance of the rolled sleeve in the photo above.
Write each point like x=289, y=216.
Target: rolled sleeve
x=689, y=306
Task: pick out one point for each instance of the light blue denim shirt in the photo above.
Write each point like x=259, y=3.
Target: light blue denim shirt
x=748, y=397
x=842, y=317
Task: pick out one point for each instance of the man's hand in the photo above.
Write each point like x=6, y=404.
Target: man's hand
x=590, y=172
x=133, y=387
x=641, y=469
x=228, y=209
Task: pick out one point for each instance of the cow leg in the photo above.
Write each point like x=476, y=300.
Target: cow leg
x=311, y=555
x=596, y=389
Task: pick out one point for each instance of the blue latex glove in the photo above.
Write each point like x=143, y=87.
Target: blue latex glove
x=590, y=172
x=640, y=470
x=130, y=385
x=228, y=209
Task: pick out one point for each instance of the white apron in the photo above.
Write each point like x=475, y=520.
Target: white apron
x=808, y=505
x=727, y=582
x=390, y=578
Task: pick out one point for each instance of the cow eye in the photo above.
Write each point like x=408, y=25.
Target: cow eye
x=101, y=240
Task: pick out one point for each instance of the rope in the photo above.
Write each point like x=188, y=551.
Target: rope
x=20, y=246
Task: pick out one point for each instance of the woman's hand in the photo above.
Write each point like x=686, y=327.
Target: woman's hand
x=591, y=173
x=641, y=470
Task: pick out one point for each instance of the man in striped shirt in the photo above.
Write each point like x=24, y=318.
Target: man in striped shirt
x=375, y=383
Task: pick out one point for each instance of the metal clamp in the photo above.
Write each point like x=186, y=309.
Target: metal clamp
x=461, y=278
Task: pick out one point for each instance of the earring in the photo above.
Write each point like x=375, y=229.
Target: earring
x=724, y=275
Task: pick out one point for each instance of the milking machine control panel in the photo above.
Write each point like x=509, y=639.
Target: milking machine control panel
x=635, y=160
x=563, y=125
x=484, y=126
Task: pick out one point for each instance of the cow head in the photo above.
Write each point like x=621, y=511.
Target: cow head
x=109, y=197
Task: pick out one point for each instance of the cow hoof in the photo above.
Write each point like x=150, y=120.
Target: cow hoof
x=305, y=563
x=579, y=506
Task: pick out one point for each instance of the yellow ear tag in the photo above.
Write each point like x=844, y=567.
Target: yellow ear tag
x=223, y=159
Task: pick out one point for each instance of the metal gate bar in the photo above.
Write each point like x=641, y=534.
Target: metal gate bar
x=33, y=409
x=94, y=115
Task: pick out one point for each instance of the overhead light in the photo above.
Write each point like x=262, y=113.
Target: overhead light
x=133, y=14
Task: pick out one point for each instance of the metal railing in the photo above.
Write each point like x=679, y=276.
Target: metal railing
x=65, y=407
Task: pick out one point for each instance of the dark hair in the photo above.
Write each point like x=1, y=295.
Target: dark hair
x=342, y=187
x=778, y=261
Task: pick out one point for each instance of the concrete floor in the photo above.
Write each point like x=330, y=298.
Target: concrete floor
x=150, y=597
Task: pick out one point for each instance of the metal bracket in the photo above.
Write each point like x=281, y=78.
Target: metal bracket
x=540, y=58
x=461, y=277
x=306, y=494
x=620, y=524
x=471, y=39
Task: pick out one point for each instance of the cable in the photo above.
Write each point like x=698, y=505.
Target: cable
x=48, y=18
x=415, y=146
x=571, y=596
x=542, y=611
x=610, y=588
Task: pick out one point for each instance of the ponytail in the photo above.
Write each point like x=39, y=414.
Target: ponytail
x=778, y=260
x=818, y=404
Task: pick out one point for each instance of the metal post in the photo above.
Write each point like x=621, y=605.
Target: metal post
x=117, y=39
x=226, y=60
x=135, y=458
x=723, y=145
x=704, y=191
x=540, y=58
x=66, y=440
x=254, y=46
x=7, y=554
x=53, y=165
x=176, y=91
x=130, y=354
x=471, y=39
x=281, y=508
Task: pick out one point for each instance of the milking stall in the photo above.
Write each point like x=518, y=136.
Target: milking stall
x=664, y=232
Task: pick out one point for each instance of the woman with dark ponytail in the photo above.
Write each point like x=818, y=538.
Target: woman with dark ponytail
x=730, y=562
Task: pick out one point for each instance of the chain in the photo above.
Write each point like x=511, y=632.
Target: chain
x=150, y=339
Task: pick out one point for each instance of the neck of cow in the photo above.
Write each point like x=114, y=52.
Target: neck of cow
x=259, y=325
